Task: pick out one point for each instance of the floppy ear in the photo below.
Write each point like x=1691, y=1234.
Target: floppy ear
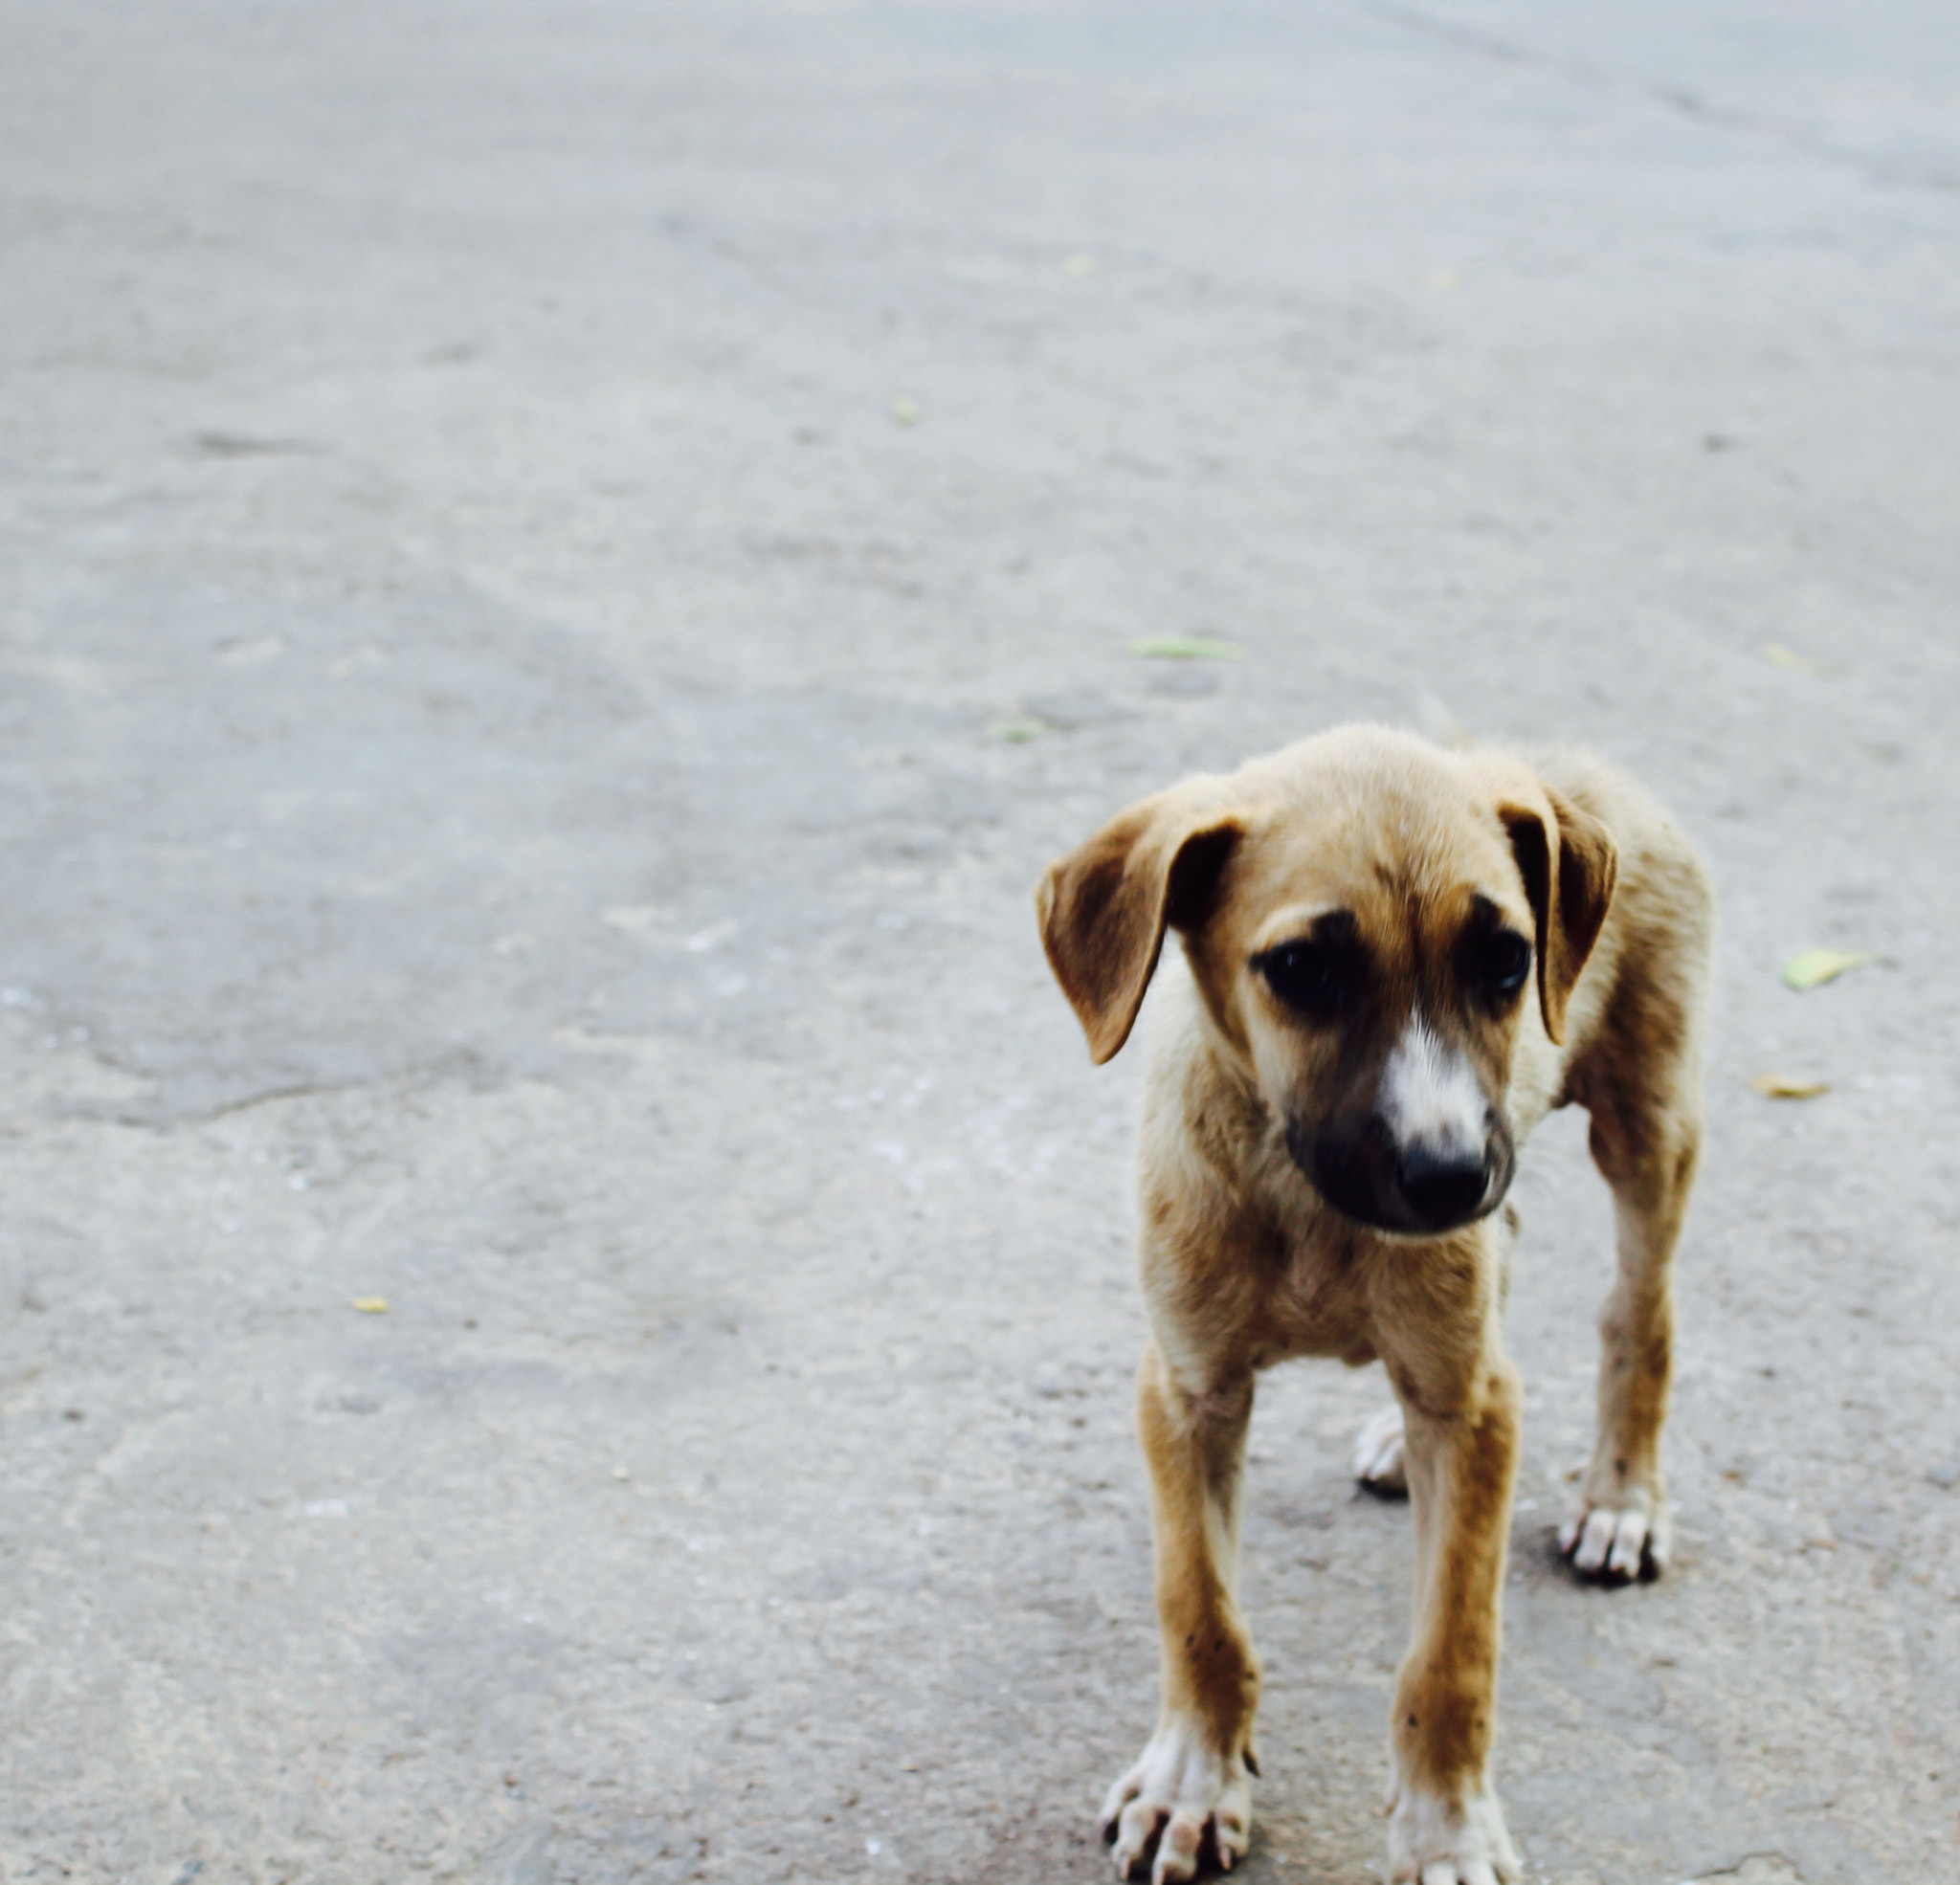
x=1103, y=907
x=1569, y=864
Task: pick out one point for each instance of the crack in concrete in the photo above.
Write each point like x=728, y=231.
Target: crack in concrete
x=1680, y=100
x=1765, y=1867
x=461, y=1066
x=169, y=1122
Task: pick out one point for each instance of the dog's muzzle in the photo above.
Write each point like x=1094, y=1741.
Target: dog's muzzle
x=1418, y=1188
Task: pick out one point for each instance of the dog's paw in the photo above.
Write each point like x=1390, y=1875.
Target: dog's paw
x=1182, y=1803
x=1379, y=1456
x=1438, y=1841
x=1617, y=1535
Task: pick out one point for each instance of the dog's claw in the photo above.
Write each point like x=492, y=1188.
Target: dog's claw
x=1617, y=1544
x=1182, y=1803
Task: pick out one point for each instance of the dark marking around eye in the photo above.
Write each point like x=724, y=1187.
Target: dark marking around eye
x=1496, y=959
x=1317, y=974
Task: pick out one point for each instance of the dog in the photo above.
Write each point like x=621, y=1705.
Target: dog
x=1397, y=959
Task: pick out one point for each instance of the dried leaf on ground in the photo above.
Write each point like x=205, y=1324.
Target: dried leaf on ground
x=1789, y=659
x=1789, y=1086
x=371, y=1305
x=1186, y=648
x=1814, y=967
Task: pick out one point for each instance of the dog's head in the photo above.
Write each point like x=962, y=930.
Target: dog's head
x=1368, y=920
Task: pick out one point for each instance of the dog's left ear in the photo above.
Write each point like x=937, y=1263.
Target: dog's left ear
x=1569, y=863
x=1104, y=907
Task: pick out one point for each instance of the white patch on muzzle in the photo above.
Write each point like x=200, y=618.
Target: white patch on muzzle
x=1431, y=1097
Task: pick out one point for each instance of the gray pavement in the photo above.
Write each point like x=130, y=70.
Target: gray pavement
x=521, y=527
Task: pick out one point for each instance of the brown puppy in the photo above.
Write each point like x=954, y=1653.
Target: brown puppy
x=1396, y=961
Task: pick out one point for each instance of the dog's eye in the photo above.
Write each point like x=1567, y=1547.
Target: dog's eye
x=1501, y=961
x=1308, y=976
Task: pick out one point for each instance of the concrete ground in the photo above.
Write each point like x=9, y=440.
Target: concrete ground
x=523, y=529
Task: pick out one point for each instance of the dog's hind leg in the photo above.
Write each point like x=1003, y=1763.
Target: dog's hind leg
x=1643, y=1093
x=1619, y=1528
x=1190, y=1794
x=1381, y=1454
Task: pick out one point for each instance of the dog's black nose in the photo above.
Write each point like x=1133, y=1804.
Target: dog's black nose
x=1444, y=1189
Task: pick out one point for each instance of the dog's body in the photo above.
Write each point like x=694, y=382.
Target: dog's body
x=1341, y=1069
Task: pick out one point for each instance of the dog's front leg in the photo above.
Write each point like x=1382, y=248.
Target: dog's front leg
x=1192, y=1787
x=1446, y=1827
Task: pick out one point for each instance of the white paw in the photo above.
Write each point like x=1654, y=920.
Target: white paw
x=1438, y=1841
x=1181, y=1801
x=1618, y=1537
x=1379, y=1454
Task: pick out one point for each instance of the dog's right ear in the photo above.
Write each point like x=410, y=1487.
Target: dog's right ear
x=1103, y=908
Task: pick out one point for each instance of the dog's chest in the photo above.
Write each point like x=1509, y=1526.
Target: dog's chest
x=1312, y=1304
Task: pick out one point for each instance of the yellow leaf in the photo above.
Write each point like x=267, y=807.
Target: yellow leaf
x=1789, y=1086
x=1778, y=656
x=1186, y=648
x=905, y=412
x=371, y=1305
x=1815, y=967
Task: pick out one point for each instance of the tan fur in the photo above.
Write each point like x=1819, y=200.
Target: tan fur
x=1243, y=1264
